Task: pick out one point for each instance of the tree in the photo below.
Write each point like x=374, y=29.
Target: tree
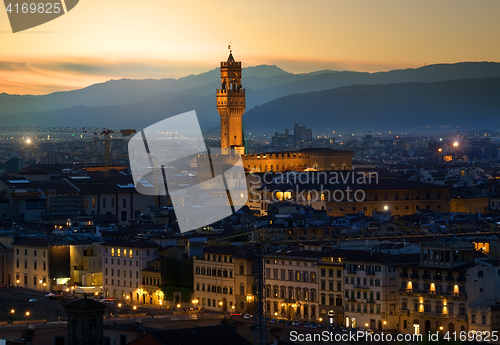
x=177, y=275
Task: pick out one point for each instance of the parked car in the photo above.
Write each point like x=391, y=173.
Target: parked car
x=321, y=326
x=281, y=321
x=345, y=329
x=301, y=324
x=273, y=321
x=246, y=316
x=370, y=331
x=307, y=325
x=337, y=329
x=33, y=300
x=288, y=323
x=314, y=325
x=330, y=327
x=295, y=323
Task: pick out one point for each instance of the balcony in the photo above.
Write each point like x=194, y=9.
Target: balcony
x=426, y=276
x=370, y=273
x=362, y=287
x=460, y=279
x=437, y=277
x=415, y=276
x=436, y=293
x=403, y=275
x=450, y=278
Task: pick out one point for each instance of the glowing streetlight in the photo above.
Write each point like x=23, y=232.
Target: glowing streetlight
x=275, y=314
x=134, y=307
x=385, y=322
x=12, y=311
x=320, y=319
x=440, y=328
x=366, y=325
x=17, y=281
x=119, y=305
x=386, y=208
x=220, y=303
x=455, y=144
x=27, y=313
x=440, y=149
x=28, y=141
x=96, y=293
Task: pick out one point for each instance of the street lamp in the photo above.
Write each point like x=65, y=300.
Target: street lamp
x=134, y=307
x=27, y=317
x=119, y=305
x=178, y=306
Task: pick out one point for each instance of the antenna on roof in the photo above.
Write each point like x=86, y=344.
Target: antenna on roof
x=229, y=47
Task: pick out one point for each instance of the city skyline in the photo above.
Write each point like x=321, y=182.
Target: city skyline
x=73, y=51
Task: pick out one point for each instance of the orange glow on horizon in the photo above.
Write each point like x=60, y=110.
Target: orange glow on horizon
x=114, y=39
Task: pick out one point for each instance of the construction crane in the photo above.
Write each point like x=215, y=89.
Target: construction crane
x=82, y=130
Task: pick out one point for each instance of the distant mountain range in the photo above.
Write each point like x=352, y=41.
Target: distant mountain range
x=463, y=94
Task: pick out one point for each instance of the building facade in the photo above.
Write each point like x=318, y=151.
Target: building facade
x=123, y=262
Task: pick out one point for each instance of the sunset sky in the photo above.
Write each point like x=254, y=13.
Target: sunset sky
x=111, y=39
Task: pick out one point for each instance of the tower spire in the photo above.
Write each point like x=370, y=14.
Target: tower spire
x=230, y=58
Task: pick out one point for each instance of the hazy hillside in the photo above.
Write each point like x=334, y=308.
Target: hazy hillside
x=473, y=103
x=139, y=103
x=271, y=81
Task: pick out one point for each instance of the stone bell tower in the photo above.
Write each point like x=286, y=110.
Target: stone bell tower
x=231, y=105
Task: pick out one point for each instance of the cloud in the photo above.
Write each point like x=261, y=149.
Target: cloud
x=43, y=76
x=14, y=66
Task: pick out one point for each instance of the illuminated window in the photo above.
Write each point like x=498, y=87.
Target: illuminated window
x=112, y=251
x=130, y=253
x=118, y=251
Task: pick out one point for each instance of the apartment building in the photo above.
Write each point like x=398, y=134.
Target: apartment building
x=123, y=262
x=52, y=263
x=433, y=293
x=483, y=296
x=31, y=263
x=214, y=278
x=371, y=290
x=292, y=284
x=331, y=288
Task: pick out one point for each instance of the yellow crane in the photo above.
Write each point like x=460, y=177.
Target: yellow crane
x=80, y=130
